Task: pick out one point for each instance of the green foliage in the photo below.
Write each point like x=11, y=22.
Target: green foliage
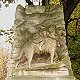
x=72, y=25
x=72, y=28
x=74, y=44
x=6, y=2
x=8, y=34
x=74, y=50
x=52, y=2
x=76, y=12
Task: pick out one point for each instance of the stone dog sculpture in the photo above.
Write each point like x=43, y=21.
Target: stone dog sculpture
x=44, y=42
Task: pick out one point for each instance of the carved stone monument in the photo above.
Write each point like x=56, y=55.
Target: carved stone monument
x=39, y=49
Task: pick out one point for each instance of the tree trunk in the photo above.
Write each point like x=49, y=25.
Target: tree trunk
x=69, y=7
x=45, y=2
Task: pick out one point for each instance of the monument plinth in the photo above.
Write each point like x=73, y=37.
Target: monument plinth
x=39, y=49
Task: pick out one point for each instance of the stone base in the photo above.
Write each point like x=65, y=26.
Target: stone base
x=60, y=72
x=42, y=78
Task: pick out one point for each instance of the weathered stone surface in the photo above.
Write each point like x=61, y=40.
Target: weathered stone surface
x=39, y=47
x=42, y=78
x=34, y=9
x=51, y=72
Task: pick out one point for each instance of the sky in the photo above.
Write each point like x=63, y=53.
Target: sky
x=7, y=15
x=7, y=19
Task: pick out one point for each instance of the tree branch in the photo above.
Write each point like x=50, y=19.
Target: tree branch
x=69, y=7
x=45, y=2
x=29, y=2
x=73, y=19
x=71, y=36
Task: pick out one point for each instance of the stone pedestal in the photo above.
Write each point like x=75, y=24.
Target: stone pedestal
x=42, y=78
x=22, y=74
x=39, y=50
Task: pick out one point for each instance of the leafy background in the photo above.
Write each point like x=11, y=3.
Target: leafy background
x=74, y=43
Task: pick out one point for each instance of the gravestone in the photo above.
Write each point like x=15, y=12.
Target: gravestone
x=39, y=50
